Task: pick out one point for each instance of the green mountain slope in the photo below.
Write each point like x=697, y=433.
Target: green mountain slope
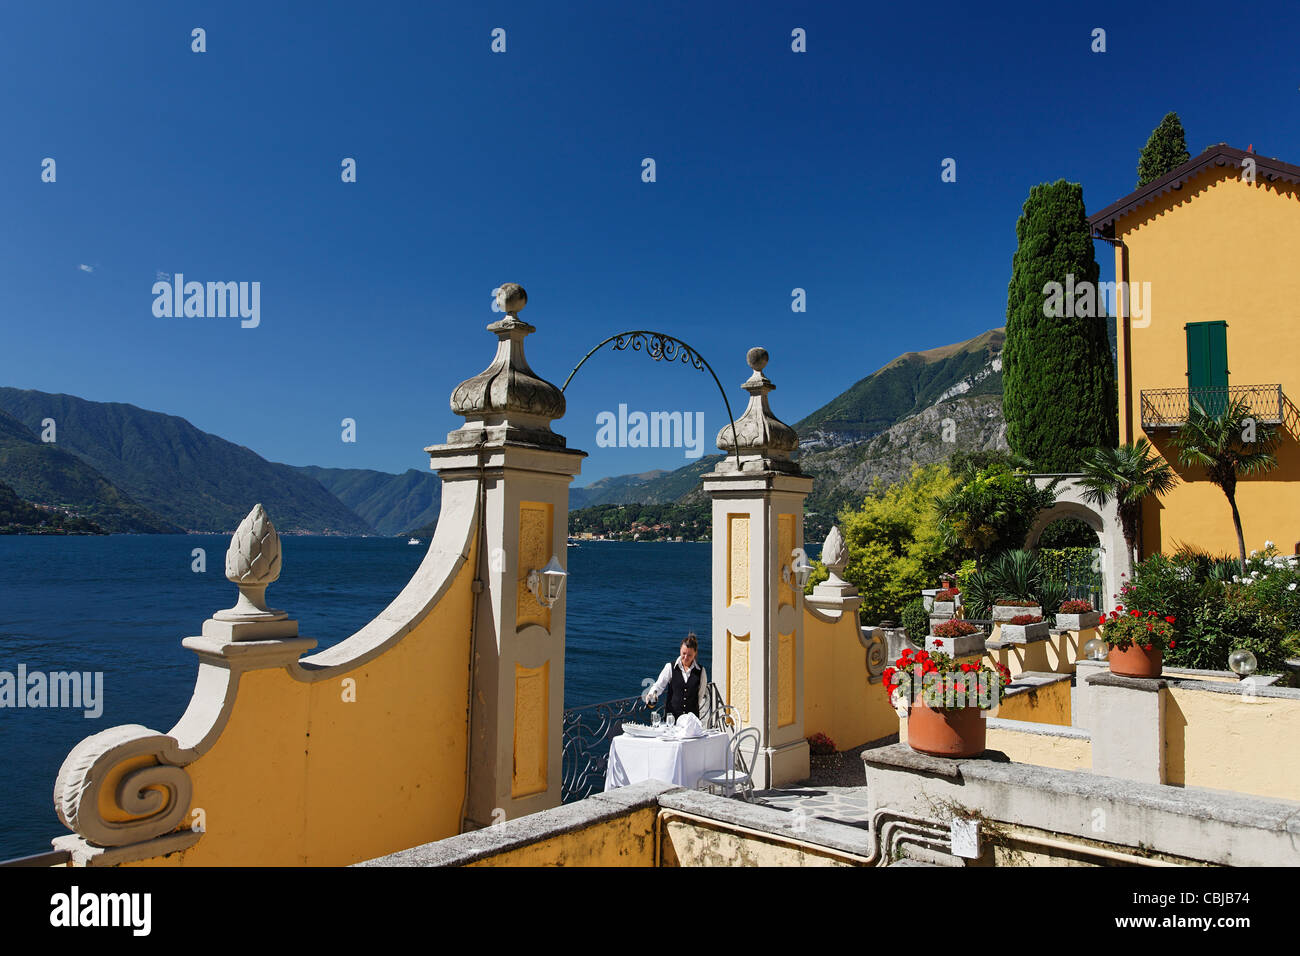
x=21, y=517
x=391, y=504
x=196, y=480
x=48, y=475
x=877, y=429
x=907, y=385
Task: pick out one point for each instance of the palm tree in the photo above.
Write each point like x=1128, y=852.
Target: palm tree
x=1219, y=443
x=1129, y=473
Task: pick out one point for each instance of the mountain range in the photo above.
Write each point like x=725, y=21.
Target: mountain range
x=132, y=470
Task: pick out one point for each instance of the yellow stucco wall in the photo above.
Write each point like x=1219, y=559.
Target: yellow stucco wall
x=622, y=841
x=839, y=702
x=1043, y=705
x=302, y=776
x=1218, y=249
x=1063, y=753
x=1229, y=742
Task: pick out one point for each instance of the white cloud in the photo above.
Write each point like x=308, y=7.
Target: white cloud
x=85, y=268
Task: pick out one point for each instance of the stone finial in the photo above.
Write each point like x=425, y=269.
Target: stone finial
x=759, y=433
x=252, y=564
x=835, y=555
x=508, y=401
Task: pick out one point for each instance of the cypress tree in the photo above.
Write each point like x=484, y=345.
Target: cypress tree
x=1164, y=152
x=1058, y=377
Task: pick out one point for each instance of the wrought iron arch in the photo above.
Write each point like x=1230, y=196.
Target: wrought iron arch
x=663, y=348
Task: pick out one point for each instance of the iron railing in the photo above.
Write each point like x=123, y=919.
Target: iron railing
x=588, y=731
x=1170, y=407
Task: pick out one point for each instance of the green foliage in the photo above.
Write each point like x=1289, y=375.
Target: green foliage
x=1164, y=152
x=991, y=512
x=895, y=548
x=1258, y=611
x=916, y=621
x=1073, y=568
x=1217, y=441
x=21, y=517
x=1128, y=475
x=1067, y=533
x=1059, y=395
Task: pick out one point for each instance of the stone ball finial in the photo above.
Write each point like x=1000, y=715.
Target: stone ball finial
x=757, y=358
x=511, y=297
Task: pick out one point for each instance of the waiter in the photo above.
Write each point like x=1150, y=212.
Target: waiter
x=686, y=682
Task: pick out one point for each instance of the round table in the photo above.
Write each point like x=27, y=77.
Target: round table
x=677, y=761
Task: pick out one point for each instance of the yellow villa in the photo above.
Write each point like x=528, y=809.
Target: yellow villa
x=1210, y=254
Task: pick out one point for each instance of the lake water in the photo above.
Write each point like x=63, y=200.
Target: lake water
x=121, y=604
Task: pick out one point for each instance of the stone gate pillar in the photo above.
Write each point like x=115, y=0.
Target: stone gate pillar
x=757, y=604
x=517, y=678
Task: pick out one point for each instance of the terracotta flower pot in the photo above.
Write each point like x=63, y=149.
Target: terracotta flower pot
x=1133, y=661
x=950, y=732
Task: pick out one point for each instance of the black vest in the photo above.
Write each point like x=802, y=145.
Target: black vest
x=684, y=695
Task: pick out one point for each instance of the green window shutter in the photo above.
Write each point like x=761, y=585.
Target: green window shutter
x=1207, y=363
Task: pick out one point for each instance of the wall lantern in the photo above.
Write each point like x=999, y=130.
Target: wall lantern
x=547, y=584
x=800, y=568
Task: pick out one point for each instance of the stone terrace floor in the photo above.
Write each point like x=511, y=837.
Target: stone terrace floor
x=835, y=792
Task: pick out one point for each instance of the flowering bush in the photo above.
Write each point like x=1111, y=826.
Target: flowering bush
x=942, y=682
x=1076, y=607
x=1026, y=619
x=948, y=594
x=1122, y=629
x=1217, y=609
x=819, y=745
x=954, y=628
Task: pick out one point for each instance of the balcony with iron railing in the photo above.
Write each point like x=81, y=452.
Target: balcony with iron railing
x=1169, y=408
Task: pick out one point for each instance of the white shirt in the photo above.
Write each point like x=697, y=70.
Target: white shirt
x=666, y=675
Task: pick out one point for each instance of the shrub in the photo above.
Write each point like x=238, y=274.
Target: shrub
x=1076, y=607
x=819, y=745
x=954, y=628
x=1022, y=619
x=945, y=595
x=915, y=620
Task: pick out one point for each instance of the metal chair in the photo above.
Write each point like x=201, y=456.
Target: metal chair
x=744, y=758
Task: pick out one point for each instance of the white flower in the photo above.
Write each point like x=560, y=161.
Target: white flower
x=1254, y=574
x=1291, y=586
x=1253, y=553
x=1267, y=545
x=1248, y=581
x=1235, y=579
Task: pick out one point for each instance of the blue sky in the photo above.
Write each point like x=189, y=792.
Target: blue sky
x=775, y=170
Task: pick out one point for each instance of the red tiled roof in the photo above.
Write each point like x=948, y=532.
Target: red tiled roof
x=1267, y=169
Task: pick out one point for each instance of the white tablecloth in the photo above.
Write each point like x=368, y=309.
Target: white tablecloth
x=681, y=762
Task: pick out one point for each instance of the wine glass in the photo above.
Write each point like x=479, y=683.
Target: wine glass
x=655, y=718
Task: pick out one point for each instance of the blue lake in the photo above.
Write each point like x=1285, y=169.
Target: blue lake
x=121, y=604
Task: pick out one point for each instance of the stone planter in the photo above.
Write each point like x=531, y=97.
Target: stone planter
x=1133, y=661
x=1024, y=633
x=950, y=732
x=1078, y=622
x=943, y=609
x=965, y=646
x=1005, y=612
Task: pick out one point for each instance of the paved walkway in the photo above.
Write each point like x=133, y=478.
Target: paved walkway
x=843, y=805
